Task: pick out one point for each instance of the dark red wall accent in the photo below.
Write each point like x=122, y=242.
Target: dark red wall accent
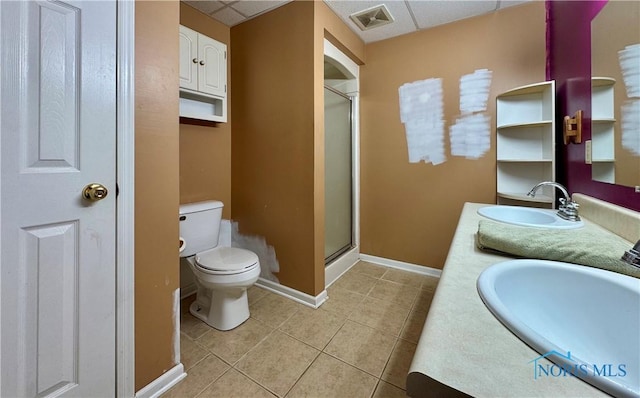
x=569, y=64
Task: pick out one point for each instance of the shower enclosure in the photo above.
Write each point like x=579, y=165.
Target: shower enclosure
x=341, y=161
x=338, y=172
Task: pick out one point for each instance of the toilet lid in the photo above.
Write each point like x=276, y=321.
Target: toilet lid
x=226, y=259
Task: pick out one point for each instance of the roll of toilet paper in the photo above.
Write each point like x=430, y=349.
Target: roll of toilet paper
x=182, y=245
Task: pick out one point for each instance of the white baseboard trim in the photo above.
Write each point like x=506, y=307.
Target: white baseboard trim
x=293, y=294
x=163, y=383
x=336, y=269
x=418, y=269
x=341, y=265
x=188, y=290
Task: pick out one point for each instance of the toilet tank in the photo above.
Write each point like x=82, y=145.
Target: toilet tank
x=200, y=226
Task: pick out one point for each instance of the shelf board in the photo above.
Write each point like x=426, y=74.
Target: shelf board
x=599, y=81
x=528, y=89
x=603, y=120
x=524, y=160
x=540, y=123
x=603, y=160
x=522, y=196
x=202, y=106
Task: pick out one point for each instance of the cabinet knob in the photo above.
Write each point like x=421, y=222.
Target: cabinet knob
x=201, y=62
x=195, y=60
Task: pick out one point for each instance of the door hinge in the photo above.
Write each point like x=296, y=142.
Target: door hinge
x=117, y=190
x=225, y=88
x=225, y=55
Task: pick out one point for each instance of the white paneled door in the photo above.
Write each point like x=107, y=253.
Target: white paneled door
x=58, y=135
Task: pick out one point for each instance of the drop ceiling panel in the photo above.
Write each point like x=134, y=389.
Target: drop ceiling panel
x=403, y=23
x=206, y=6
x=228, y=16
x=252, y=8
x=409, y=15
x=433, y=13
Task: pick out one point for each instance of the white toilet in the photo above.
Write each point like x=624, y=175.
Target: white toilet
x=222, y=274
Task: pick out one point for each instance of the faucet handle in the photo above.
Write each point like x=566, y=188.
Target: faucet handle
x=569, y=204
x=568, y=209
x=573, y=205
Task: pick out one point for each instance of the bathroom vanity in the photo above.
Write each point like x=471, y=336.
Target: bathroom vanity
x=464, y=349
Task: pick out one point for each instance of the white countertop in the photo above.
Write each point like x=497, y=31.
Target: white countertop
x=463, y=346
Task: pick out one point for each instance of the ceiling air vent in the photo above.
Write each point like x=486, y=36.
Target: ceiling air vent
x=372, y=17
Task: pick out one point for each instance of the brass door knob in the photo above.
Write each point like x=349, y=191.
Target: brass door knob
x=94, y=192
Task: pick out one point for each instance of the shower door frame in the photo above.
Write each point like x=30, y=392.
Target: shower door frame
x=343, y=262
x=337, y=254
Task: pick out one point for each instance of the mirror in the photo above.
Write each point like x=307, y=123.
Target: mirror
x=615, y=124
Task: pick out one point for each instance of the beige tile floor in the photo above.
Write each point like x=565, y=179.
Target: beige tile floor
x=359, y=343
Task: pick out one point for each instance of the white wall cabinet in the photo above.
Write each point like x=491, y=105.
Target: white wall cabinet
x=603, y=130
x=525, y=144
x=203, y=77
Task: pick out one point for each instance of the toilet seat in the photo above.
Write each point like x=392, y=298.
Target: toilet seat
x=226, y=261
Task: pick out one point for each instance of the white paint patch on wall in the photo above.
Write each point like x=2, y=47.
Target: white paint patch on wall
x=470, y=136
x=422, y=112
x=257, y=244
x=631, y=126
x=474, y=91
x=629, y=60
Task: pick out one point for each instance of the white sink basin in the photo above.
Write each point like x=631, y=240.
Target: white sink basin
x=527, y=217
x=580, y=318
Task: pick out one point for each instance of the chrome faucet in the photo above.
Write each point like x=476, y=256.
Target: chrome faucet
x=568, y=209
x=632, y=256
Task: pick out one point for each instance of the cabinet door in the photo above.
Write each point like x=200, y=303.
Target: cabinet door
x=212, y=70
x=188, y=58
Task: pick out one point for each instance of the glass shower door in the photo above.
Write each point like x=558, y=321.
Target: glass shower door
x=338, y=184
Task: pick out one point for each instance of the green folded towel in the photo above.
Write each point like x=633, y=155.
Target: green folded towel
x=585, y=246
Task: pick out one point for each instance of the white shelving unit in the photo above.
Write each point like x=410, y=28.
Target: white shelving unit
x=603, y=130
x=525, y=126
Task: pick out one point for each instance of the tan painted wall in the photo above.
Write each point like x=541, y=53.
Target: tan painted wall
x=331, y=27
x=205, y=151
x=277, y=150
x=409, y=211
x=157, y=192
x=272, y=141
